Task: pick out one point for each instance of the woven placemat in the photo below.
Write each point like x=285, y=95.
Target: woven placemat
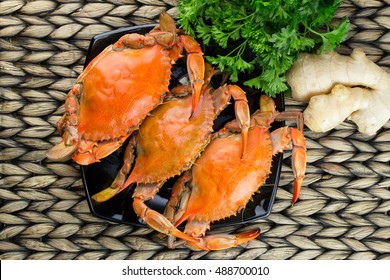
x=343, y=211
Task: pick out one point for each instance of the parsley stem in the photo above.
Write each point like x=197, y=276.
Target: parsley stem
x=247, y=17
x=313, y=31
x=239, y=49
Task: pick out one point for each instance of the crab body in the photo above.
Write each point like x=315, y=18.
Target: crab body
x=171, y=137
x=118, y=89
x=113, y=86
x=221, y=182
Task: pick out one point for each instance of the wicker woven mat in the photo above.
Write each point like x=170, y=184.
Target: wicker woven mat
x=343, y=212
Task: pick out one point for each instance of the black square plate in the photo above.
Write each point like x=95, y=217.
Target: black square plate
x=99, y=176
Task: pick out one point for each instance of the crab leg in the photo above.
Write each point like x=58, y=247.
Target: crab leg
x=281, y=138
x=241, y=108
x=117, y=184
x=223, y=241
x=284, y=136
x=219, y=241
x=195, y=68
x=183, y=90
x=164, y=34
x=177, y=203
x=267, y=114
x=157, y=221
x=291, y=116
x=179, y=198
x=68, y=126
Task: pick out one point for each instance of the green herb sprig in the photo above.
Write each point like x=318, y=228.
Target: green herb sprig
x=275, y=32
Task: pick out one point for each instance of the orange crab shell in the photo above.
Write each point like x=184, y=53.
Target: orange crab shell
x=222, y=182
x=117, y=81
x=155, y=141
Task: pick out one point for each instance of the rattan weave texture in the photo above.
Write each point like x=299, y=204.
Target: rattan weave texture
x=343, y=212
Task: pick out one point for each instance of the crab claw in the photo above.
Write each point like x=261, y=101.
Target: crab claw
x=105, y=195
x=61, y=151
x=67, y=147
x=242, y=113
x=221, y=97
x=195, y=68
x=298, y=160
x=119, y=184
x=223, y=241
x=196, y=91
x=157, y=221
x=67, y=126
x=167, y=23
x=281, y=138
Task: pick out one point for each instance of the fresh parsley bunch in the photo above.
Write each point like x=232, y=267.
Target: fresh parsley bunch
x=266, y=35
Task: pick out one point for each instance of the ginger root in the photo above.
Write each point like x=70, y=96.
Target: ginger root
x=341, y=87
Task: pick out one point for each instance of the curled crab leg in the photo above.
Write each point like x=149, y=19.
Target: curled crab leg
x=67, y=126
x=241, y=108
x=242, y=113
x=299, y=161
x=118, y=183
x=291, y=116
x=195, y=68
x=195, y=60
x=179, y=199
x=223, y=241
x=285, y=136
x=154, y=219
x=281, y=138
x=183, y=90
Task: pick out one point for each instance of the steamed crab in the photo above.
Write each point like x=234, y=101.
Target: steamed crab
x=119, y=87
x=221, y=181
x=169, y=141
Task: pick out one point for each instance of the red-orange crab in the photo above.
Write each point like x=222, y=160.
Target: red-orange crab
x=221, y=182
x=168, y=142
x=119, y=87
